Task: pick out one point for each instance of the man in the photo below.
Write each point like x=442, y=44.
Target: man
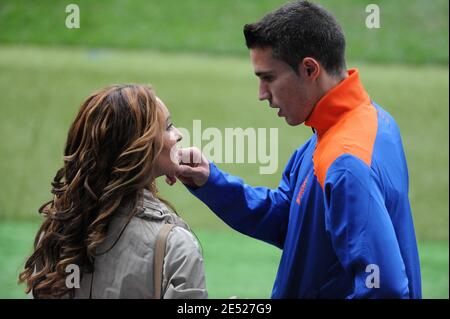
x=341, y=213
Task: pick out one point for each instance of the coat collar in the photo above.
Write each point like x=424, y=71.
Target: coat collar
x=151, y=208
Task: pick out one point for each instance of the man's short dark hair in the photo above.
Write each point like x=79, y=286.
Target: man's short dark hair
x=299, y=30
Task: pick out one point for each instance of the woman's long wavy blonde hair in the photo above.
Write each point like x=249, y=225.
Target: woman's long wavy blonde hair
x=110, y=151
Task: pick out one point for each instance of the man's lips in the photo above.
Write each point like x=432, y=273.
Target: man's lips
x=279, y=110
x=280, y=114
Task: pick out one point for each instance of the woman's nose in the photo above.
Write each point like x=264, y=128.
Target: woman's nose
x=178, y=135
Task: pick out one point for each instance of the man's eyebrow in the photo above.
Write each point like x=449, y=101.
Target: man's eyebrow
x=262, y=73
x=169, y=119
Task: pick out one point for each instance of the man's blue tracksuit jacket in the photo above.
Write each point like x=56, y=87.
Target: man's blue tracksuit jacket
x=341, y=213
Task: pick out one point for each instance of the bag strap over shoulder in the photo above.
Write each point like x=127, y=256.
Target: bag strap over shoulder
x=160, y=249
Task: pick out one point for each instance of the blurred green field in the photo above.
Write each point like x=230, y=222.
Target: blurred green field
x=412, y=31
x=236, y=265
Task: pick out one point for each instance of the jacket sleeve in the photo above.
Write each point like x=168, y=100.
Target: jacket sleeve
x=183, y=269
x=362, y=232
x=258, y=212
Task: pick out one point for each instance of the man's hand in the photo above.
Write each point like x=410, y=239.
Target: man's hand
x=194, y=167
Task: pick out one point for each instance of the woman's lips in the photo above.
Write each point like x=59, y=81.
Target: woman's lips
x=174, y=156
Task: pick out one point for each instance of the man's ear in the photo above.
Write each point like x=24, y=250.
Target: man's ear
x=310, y=67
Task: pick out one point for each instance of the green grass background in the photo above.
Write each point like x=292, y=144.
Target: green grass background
x=193, y=54
x=235, y=265
x=412, y=31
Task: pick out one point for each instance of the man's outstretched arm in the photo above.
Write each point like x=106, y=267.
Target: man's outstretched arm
x=259, y=212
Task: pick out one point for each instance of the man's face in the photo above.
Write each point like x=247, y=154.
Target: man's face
x=282, y=87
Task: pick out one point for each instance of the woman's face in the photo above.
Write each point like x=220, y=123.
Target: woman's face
x=167, y=162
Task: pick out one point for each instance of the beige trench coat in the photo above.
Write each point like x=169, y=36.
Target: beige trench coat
x=126, y=270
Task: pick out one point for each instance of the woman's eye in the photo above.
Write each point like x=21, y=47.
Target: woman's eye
x=170, y=126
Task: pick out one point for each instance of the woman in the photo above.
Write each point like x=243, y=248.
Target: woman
x=105, y=213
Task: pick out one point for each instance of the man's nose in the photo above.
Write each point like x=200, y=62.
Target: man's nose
x=263, y=92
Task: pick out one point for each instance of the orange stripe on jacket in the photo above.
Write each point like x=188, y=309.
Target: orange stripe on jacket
x=346, y=123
